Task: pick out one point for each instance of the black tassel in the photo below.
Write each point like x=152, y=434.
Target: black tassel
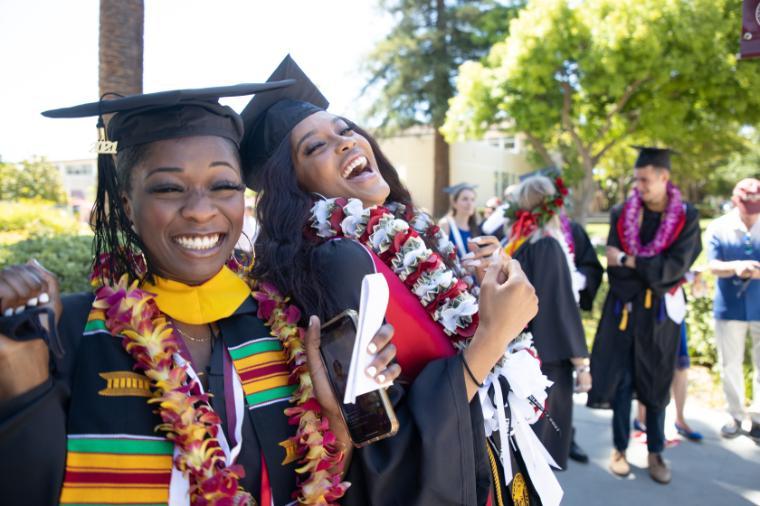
x=114, y=237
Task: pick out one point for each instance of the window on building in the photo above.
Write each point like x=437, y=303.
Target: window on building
x=501, y=180
x=507, y=142
x=79, y=170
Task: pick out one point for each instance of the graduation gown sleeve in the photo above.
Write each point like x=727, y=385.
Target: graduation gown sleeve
x=438, y=455
x=587, y=264
x=557, y=328
x=33, y=425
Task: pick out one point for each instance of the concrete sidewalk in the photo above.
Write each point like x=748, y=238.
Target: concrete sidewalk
x=716, y=471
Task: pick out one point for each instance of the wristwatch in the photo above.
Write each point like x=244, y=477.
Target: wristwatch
x=622, y=258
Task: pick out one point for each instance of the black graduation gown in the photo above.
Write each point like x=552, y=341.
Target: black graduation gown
x=650, y=338
x=558, y=336
x=443, y=439
x=587, y=264
x=437, y=457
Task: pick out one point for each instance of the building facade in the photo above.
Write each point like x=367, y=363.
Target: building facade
x=492, y=163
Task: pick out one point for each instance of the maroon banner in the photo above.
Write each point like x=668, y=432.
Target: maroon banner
x=750, y=43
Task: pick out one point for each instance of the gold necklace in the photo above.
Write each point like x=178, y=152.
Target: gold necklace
x=193, y=339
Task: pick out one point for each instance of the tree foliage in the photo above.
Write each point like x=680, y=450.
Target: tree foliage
x=415, y=65
x=408, y=61
x=582, y=78
x=35, y=179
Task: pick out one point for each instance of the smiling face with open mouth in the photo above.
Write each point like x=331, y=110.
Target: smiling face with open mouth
x=185, y=199
x=333, y=160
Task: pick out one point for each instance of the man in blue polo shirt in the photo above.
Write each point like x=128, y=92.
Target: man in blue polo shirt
x=734, y=255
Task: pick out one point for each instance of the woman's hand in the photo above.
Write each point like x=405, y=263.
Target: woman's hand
x=508, y=302
x=25, y=364
x=481, y=255
x=381, y=368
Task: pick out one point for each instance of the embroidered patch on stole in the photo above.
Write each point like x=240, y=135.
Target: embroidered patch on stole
x=263, y=370
x=125, y=384
x=123, y=469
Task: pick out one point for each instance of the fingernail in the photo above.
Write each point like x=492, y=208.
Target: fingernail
x=44, y=298
x=371, y=371
x=32, y=302
x=380, y=378
x=8, y=312
x=19, y=309
x=372, y=348
x=468, y=255
x=473, y=263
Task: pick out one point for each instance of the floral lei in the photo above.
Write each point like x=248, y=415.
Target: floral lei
x=187, y=417
x=525, y=222
x=399, y=244
x=669, y=228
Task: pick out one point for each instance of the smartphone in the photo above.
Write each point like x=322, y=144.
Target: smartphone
x=372, y=417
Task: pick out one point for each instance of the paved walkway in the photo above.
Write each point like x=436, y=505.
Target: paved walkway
x=716, y=471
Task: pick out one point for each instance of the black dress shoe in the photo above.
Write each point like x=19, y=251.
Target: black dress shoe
x=577, y=453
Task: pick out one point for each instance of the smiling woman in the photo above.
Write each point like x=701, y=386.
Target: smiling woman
x=333, y=209
x=316, y=165
x=191, y=190
x=178, y=372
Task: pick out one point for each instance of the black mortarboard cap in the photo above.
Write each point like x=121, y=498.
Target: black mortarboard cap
x=150, y=117
x=270, y=117
x=657, y=157
x=456, y=188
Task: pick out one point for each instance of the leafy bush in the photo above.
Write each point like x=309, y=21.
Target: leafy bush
x=36, y=178
x=68, y=256
x=700, y=326
x=36, y=217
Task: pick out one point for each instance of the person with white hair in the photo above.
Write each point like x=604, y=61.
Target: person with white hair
x=537, y=241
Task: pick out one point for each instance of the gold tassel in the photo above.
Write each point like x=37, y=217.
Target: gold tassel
x=624, y=318
x=648, y=299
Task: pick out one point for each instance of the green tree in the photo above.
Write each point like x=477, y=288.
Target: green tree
x=416, y=64
x=33, y=179
x=580, y=78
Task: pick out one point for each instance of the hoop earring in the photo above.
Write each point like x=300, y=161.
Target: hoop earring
x=249, y=256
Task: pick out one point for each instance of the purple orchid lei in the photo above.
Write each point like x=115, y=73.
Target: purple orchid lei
x=632, y=211
x=567, y=231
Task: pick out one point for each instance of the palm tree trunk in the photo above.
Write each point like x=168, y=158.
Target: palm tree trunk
x=121, y=46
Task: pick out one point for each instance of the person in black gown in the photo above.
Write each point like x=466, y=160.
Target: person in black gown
x=557, y=329
x=654, y=238
x=301, y=156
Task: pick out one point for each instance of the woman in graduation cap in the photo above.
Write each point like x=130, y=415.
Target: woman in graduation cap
x=332, y=210
x=179, y=383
